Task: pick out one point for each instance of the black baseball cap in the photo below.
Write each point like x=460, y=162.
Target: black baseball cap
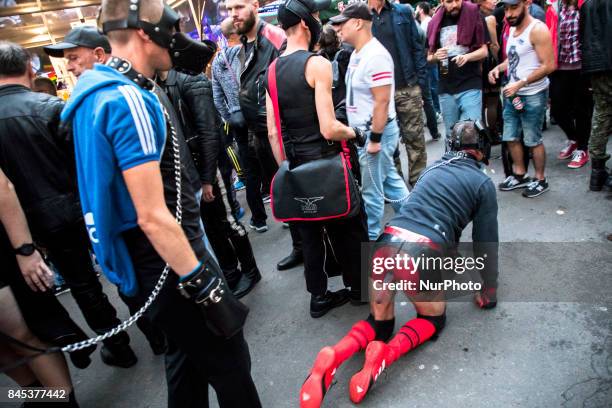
x=358, y=10
x=510, y=2
x=288, y=18
x=83, y=36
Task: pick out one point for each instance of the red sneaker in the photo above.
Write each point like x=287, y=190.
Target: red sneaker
x=579, y=159
x=567, y=151
x=319, y=380
x=377, y=358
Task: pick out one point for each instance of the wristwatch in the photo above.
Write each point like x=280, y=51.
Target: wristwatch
x=25, y=249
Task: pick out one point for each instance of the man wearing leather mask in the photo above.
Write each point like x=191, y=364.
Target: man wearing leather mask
x=261, y=44
x=83, y=47
x=428, y=225
x=131, y=166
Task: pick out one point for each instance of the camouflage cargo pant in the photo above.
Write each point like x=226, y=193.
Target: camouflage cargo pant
x=602, y=115
x=409, y=107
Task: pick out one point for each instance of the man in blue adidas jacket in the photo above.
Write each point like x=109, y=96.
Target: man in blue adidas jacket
x=126, y=175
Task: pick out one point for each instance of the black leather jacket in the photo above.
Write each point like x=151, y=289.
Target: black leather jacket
x=192, y=99
x=36, y=154
x=596, y=36
x=267, y=47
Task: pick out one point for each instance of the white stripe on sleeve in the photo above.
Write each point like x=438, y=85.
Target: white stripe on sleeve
x=140, y=104
x=138, y=117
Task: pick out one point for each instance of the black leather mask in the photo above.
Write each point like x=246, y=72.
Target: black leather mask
x=187, y=55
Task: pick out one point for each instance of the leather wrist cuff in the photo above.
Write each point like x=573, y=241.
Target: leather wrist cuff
x=375, y=137
x=360, y=137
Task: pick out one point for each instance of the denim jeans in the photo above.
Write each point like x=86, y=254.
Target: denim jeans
x=529, y=120
x=466, y=105
x=380, y=169
x=433, y=76
x=430, y=110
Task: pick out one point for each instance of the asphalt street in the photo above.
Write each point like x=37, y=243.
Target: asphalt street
x=547, y=344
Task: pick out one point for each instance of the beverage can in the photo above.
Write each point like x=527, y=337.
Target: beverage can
x=517, y=102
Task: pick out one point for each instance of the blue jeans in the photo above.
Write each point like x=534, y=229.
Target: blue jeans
x=430, y=109
x=382, y=171
x=433, y=76
x=529, y=120
x=466, y=105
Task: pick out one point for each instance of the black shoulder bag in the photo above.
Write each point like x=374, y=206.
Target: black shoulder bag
x=317, y=190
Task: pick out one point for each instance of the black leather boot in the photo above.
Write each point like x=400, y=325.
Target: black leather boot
x=294, y=259
x=118, y=355
x=247, y=282
x=243, y=249
x=599, y=174
x=80, y=358
x=232, y=277
x=609, y=181
x=321, y=304
x=158, y=344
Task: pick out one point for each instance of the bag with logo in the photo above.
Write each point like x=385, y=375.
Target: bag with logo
x=317, y=190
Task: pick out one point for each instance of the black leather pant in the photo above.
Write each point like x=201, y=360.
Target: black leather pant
x=68, y=250
x=258, y=154
x=571, y=104
x=196, y=356
x=227, y=237
x=226, y=169
x=254, y=179
x=328, y=245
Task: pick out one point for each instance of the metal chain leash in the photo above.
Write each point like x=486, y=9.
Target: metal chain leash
x=458, y=155
x=382, y=194
x=164, y=275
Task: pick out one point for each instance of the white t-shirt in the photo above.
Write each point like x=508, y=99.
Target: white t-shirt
x=371, y=67
x=424, y=23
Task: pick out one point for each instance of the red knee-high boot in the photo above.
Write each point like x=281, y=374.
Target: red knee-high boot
x=379, y=355
x=329, y=359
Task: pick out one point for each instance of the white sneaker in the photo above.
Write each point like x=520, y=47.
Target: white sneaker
x=512, y=182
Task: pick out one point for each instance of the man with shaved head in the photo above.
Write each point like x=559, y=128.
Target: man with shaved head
x=126, y=148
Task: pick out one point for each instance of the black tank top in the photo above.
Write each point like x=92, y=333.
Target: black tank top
x=302, y=138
